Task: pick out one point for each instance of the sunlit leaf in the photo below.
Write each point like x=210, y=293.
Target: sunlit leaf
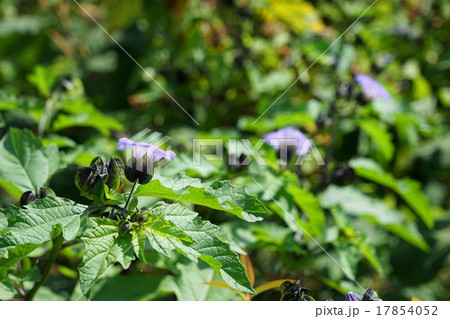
x=24, y=162
x=104, y=247
x=355, y=202
x=220, y=195
x=205, y=244
x=380, y=136
x=406, y=188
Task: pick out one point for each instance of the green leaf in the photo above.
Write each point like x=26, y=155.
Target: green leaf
x=190, y=284
x=354, y=202
x=380, y=136
x=43, y=79
x=26, y=229
x=371, y=257
x=81, y=113
x=11, y=189
x=311, y=207
x=101, y=122
x=349, y=256
x=46, y=294
x=3, y=221
x=183, y=163
x=24, y=162
x=163, y=235
x=205, y=243
x=15, y=254
x=22, y=25
x=133, y=287
x=59, y=140
x=104, y=247
x=406, y=188
x=9, y=101
x=35, y=224
x=219, y=195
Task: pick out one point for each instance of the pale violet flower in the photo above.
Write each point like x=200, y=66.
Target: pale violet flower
x=369, y=295
x=351, y=296
x=372, y=88
x=153, y=152
x=291, y=138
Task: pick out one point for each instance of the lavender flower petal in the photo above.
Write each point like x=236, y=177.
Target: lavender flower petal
x=372, y=88
x=351, y=296
x=153, y=152
x=289, y=136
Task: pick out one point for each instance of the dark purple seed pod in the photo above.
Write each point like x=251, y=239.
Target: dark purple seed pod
x=27, y=198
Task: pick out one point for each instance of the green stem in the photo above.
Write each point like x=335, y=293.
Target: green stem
x=57, y=244
x=131, y=193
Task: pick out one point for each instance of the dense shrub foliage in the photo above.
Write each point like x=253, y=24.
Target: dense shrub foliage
x=92, y=207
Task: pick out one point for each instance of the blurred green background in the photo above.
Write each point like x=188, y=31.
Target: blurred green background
x=226, y=62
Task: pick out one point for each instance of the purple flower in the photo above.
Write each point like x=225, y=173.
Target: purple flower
x=291, y=138
x=372, y=88
x=153, y=152
x=351, y=296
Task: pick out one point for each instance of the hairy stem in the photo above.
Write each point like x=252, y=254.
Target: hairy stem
x=57, y=244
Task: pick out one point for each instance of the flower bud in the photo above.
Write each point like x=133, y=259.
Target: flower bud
x=27, y=198
x=343, y=175
x=142, y=217
x=124, y=227
x=85, y=180
x=140, y=169
x=370, y=295
x=115, y=173
x=237, y=163
x=46, y=191
x=108, y=174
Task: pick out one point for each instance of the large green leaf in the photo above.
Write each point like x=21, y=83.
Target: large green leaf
x=35, y=224
x=220, y=195
x=24, y=162
x=380, y=136
x=406, y=188
x=355, y=202
x=104, y=247
x=190, y=283
x=26, y=229
x=205, y=243
x=83, y=114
